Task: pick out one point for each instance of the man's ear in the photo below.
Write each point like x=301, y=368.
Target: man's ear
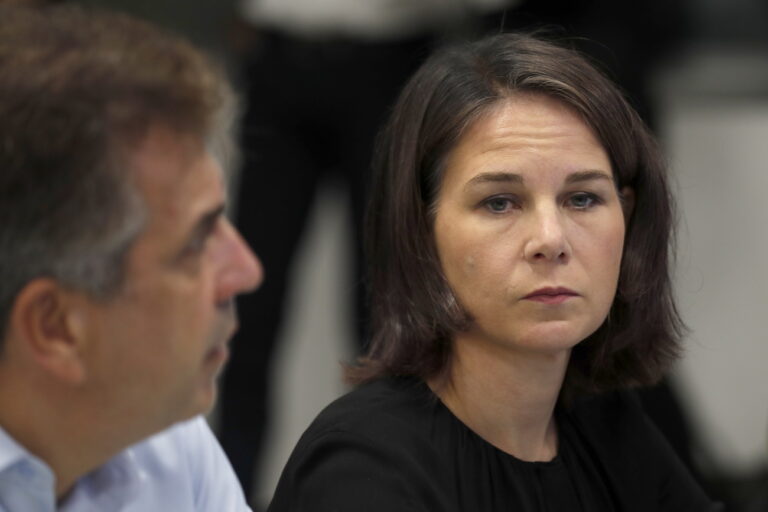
x=47, y=322
x=627, y=195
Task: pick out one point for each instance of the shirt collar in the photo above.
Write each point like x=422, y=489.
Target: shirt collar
x=11, y=452
x=26, y=482
x=108, y=487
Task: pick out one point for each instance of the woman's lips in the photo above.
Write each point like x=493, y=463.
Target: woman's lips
x=551, y=295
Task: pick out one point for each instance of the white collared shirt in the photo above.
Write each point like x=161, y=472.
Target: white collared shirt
x=179, y=469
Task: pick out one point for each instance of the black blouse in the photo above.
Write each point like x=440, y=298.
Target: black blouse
x=391, y=445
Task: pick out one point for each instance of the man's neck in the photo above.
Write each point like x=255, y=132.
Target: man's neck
x=59, y=435
x=506, y=396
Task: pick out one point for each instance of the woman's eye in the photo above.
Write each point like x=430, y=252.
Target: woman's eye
x=499, y=204
x=583, y=200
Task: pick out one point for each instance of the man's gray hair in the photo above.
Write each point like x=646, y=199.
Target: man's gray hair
x=78, y=90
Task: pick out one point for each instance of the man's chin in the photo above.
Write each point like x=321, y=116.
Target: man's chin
x=205, y=399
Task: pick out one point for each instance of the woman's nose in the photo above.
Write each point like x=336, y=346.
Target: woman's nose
x=547, y=240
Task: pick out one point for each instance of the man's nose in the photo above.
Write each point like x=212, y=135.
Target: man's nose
x=241, y=271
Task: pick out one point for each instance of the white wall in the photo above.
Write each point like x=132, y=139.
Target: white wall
x=720, y=154
x=714, y=103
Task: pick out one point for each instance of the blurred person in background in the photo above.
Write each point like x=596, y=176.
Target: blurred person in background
x=118, y=269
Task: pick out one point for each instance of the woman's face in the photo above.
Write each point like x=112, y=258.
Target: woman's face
x=529, y=226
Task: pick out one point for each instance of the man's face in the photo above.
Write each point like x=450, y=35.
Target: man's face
x=158, y=346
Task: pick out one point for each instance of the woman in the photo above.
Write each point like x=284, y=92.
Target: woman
x=519, y=231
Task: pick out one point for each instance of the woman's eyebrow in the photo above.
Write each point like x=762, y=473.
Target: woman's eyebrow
x=494, y=177
x=588, y=175
x=511, y=177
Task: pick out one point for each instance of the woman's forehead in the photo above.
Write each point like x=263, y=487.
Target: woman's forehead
x=522, y=133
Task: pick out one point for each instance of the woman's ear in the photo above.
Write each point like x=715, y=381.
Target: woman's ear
x=46, y=324
x=627, y=198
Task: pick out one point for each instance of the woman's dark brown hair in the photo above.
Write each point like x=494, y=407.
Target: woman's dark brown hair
x=414, y=311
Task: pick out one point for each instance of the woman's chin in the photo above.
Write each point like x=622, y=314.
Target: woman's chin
x=551, y=337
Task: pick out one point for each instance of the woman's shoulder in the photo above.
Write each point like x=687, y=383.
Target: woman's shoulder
x=616, y=427
x=387, y=410
x=608, y=410
x=368, y=450
x=634, y=456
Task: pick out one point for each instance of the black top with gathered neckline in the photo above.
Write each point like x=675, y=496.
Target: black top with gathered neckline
x=393, y=445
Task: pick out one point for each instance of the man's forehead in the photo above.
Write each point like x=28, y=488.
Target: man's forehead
x=175, y=172
x=169, y=155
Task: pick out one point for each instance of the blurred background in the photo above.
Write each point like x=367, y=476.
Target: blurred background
x=697, y=70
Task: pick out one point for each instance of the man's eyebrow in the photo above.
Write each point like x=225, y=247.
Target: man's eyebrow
x=205, y=224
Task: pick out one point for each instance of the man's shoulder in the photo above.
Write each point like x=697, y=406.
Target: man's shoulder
x=171, y=454
x=186, y=462
x=179, y=437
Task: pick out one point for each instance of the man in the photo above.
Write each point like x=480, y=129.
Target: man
x=118, y=269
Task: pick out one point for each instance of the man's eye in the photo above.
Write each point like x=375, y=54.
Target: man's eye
x=196, y=246
x=199, y=241
x=583, y=200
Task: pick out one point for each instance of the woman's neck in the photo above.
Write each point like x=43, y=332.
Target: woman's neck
x=504, y=395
